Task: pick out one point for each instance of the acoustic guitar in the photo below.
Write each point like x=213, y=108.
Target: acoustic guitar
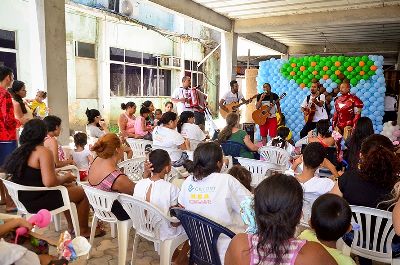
x=234, y=107
x=261, y=115
x=310, y=110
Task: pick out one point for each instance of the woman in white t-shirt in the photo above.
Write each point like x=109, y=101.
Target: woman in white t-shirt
x=188, y=129
x=96, y=127
x=212, y=194
x=166, y=136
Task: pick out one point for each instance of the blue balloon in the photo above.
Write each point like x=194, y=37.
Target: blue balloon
x=375, y=77
x=372, y=108
x=367, y=85
x=328, y=81
x=329, y=89
x=353, y=90
x=334, y=85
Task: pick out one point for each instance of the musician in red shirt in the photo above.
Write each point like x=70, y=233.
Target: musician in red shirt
x=8, y=123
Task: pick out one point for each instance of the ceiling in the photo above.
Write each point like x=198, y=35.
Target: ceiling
x=244, y=9
x=310, y=33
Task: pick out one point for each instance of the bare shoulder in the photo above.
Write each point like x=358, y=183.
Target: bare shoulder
x=313, y=253
x=238, y=251
x=43, y=151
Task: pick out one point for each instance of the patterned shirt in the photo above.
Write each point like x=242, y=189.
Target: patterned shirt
x=8, y=123
x=288, y=259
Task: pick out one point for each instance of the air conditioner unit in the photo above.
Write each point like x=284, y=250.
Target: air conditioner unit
x=170, y=61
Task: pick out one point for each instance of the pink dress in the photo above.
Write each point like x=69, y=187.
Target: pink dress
x=288, y=259
x=130, y=125
x=138, y=126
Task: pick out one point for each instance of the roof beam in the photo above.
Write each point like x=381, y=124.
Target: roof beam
x=265, y=41
x=346, y=48
x=196, y=11
x=378, y=15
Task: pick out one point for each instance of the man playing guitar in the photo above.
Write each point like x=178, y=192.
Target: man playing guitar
x=234, y=95
x=268, y=98
x=314, y=109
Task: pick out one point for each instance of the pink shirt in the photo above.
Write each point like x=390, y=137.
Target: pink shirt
x=138, y=126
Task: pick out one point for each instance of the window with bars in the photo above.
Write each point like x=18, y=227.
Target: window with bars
x=8, y=51
x=195, y=73
x=136, y=74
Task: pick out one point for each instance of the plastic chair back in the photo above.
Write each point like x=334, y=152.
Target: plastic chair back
x=138, y=146
x=231, y=148
x=147, y=219
x=133, y=168
x=102, y=202
x=276, y=156
x=203, y=235
x=373, y=239
x=258, y=169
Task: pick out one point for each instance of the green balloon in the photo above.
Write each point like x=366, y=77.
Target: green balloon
x=296, y=69
x=353, y=81
x=365, y=77
x=310, y=76
x=328, y=63
x=321, y=73
x=341, y=58
x=358, y=69
x=298, y=81
x=370, y=63
x=365, y=68
x=359, y=77
x=317, y=57
x=334, y=58
x=333, y=76
x=358, y=59
x=365, y=58
x=342, y=68
x=371, y=73
x=329, y=72
x=334, y=68
x=317, y=68
x=310, y=69
x=346, y=73
x=346, y=64
x=306, y=80
x=318, y=77
x=351, y=59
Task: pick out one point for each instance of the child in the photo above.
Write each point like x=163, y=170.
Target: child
x=81, y=156
x=281, y=119
x=158, y=191
x=281, y=140
x=16, y=254
x=313, y=157
x=330, y=220
x=242, y=174
x=39, y=106
x=278, y=203
x=140, y=124
x=157, y=115
x=212, y=194
x=169, y=106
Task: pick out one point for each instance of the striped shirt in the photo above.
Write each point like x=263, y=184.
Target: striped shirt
x=288, y=259
x=107, y=183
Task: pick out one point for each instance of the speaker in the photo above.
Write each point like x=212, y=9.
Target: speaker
x=249, y=128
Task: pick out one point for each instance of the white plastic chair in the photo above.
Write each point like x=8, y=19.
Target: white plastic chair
x=307, y=206
x=278, y=157
x=13, y=189
x=372, y=242
x=138, y=146
x=133, y=168
x=147, y=221
x=102, y=202
x=258, y=169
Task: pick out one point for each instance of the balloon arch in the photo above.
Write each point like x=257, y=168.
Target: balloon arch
x=294, y=77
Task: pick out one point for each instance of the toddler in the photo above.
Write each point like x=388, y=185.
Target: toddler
x=39, y=106
x=81, y=156
x=141, y=128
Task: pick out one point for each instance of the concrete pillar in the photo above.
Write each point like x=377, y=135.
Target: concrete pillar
x=228, y=61
x=54, y=44
x=251, y=90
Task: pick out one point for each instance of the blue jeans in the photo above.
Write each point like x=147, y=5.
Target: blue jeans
x=6, y=148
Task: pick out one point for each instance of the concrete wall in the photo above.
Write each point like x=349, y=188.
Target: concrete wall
x=20, y=16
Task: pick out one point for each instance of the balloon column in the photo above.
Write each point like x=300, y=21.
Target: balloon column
x=294, y=77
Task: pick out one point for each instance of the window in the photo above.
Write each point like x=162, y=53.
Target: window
x=8, y=52
x=195, y=73
x=135, y=74
x=86, y=50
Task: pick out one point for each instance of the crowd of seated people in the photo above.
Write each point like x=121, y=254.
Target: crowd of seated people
x=276, y=203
